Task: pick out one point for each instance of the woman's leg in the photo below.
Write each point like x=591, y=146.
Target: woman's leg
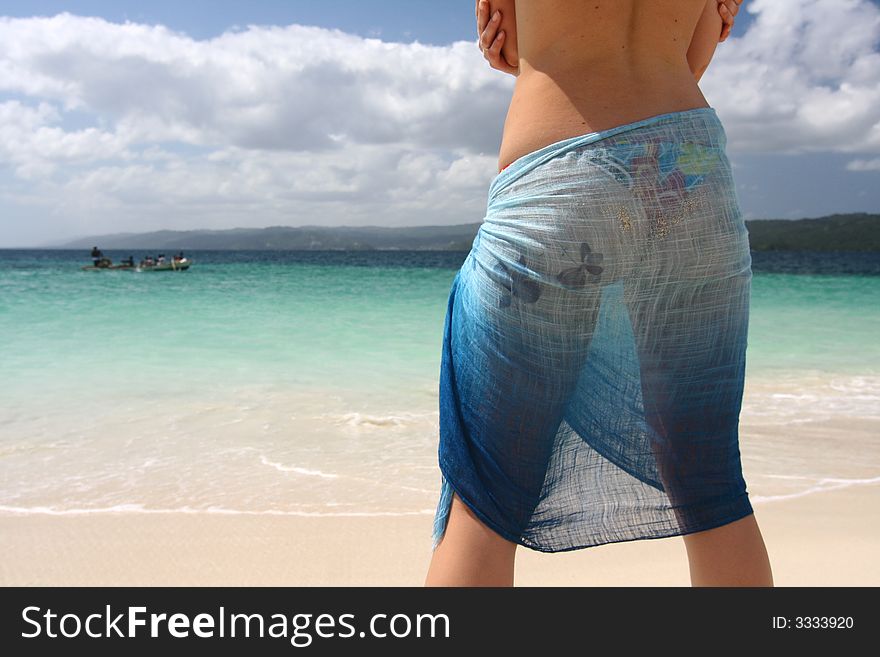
x=731, y=555
x=470, y=553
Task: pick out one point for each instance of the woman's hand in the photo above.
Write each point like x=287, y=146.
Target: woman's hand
x=727, y=9
x=497, y=33
x=497, y=36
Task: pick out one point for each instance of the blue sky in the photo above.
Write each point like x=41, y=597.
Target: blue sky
x=219, y=114
x=428, y=21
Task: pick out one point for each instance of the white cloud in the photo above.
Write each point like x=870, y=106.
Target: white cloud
x=287, y=124
x=267, y=87
x=864, y=165
x=804, y=77
x=34, y=148
x=297, y=124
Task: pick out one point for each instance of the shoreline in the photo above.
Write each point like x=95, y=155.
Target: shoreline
x=827, y=539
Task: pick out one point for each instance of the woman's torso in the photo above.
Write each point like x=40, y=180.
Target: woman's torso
x=591, y=65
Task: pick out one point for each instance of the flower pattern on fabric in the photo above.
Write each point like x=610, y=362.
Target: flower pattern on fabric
x=696, y=160
x=577, y=276
x=516, y=284
x=679, y=167
x=665, y=177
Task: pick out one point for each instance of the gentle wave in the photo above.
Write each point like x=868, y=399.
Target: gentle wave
x=804, y=398
x=139, y=508
x=292, y=468
x=822, y=486
x=317, y=473
x=355, y=419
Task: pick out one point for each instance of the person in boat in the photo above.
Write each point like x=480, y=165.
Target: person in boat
x=129, y=262
x=161, y=260
x=97, y=256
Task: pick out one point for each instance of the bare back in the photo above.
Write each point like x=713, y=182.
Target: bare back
x=595, y=64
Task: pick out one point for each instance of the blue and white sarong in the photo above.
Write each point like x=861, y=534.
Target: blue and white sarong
x=593, y=354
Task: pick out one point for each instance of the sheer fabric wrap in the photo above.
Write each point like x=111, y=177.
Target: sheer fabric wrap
x=593, y=351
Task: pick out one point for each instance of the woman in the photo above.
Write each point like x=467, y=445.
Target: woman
x=594, y=344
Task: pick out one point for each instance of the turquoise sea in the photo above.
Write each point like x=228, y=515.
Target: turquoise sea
x=306, y=382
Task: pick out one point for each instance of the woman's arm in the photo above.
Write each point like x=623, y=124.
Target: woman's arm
x=497, y=35
x=705, y=39
x=509, y=50
x=728, y=10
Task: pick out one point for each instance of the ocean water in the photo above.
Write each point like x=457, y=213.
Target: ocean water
x=305, y=383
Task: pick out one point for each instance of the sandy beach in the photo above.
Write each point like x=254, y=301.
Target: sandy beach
x=824, y=539
x=821, y=523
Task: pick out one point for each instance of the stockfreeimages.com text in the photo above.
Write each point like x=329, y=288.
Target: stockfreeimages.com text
x=300, y=629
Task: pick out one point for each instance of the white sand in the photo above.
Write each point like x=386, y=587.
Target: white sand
x=829, y=538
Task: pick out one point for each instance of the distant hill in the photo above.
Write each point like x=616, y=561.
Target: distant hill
x=837, y=232
x=292, y=238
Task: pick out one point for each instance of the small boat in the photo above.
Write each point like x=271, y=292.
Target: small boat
x=176, y=263
x=105, y=263
x=170, y=265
